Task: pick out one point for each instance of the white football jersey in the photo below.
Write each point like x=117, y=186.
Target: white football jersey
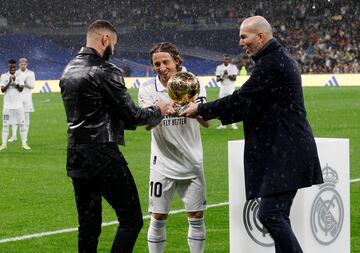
x=176, y=148
x=12, y=96
x=231, y=70
x=227, y=86
x=28, y=78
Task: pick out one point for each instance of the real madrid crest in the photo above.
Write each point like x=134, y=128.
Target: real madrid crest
x=327, y=212
x=253, y=226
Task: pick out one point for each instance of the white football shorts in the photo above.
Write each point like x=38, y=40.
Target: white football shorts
x=162, y=189
x=226, y=90
x=13, y=116
x=28, y=106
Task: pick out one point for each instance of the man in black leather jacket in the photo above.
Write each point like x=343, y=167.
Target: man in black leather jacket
x=98, y=109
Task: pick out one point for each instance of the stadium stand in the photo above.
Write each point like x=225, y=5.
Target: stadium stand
x=323, y=36
x=46, y=57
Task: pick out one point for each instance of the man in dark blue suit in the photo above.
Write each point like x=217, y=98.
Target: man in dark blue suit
x=280, y=151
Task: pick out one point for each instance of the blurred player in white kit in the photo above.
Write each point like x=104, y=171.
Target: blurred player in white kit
x=226, y=74
x=13, y=110
x=26, y=76
x=176, y=162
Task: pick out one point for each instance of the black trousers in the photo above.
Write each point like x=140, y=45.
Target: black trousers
x=274, y=211
x=116, y=184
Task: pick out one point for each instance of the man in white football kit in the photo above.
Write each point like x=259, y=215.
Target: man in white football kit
x=176, y=162
x=13, y=111
x=27, y=77
x=226, y=74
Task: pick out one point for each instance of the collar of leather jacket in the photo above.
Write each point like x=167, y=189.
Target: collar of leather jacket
x=88, y=50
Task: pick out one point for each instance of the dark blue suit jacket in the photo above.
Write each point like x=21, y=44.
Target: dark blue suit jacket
x=280, y=150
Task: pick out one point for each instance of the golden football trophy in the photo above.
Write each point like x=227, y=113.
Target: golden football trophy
x=183, y=88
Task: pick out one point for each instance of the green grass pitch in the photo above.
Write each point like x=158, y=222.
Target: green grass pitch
x=37, y=196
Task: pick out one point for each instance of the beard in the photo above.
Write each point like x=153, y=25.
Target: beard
x=107, y=53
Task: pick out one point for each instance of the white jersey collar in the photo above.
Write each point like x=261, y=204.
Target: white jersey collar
x=158, y=85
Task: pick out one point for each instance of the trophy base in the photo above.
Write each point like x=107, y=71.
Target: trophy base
x=179, y=109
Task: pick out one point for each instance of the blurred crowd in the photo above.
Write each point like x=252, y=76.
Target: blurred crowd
x=323, y=36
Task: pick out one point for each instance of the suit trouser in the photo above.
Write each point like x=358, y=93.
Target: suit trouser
x=274, y=211
x=116, y=184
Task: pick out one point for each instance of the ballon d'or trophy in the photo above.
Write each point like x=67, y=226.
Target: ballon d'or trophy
x=183, y=88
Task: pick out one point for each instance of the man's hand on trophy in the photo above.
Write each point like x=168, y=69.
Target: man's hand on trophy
x=191, y=111
x=166, y=108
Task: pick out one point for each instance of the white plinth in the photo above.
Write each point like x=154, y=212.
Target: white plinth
x=320, y=215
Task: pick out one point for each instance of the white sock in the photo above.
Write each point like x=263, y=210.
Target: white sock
x=5, y=134
x=196, y=235
x=14, y=131
x=156, y=235
x=27, y=123
x=22, y=133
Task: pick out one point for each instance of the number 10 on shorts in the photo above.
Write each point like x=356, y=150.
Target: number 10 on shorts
x=155, y=189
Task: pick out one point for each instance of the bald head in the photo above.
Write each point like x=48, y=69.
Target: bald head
x=255, y=32
x=257, y=24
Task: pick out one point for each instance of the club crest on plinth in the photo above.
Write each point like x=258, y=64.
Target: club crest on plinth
x=327, y=212
x=255, y=229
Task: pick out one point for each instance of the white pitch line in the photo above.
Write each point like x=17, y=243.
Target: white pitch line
x=355, y=180
x=104, y=224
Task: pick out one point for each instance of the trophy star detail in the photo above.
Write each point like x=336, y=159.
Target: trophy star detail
x=183, y=88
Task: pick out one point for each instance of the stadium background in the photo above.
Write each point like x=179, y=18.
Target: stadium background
x=322, y=35
x=36, y=196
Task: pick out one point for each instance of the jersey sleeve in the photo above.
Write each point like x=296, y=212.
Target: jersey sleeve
x=30, y=80
x=233, y=71
x=202, y=95
x=144, y=97
x=3, y=80
x=218, y=71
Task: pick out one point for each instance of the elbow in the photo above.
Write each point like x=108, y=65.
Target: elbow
x=206, y=124
x=203, y=123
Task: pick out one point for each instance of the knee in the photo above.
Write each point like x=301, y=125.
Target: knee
x=89, y=230
x=157, y=231
x=266, y=216
x=139, y=225
x=198, y=214
x=134, y=223
x=261, y=214
x=196, y=229
x=159, y=216
x=271, y=219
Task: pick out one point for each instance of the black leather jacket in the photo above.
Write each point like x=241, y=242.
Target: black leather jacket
x=97, y=104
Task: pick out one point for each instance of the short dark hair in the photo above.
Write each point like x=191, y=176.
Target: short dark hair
x=170, y=48
x=12, y=61
x=101, y=24
x=226, y=56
